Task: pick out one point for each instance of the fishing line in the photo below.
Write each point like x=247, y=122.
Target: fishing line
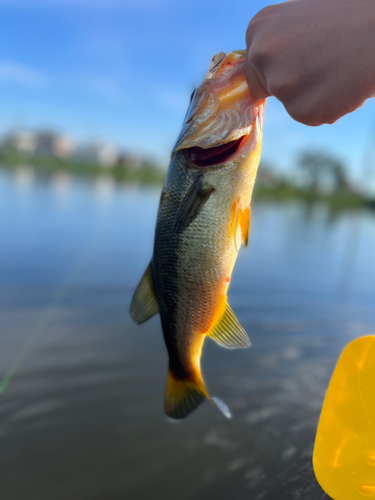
x=32, y=338
x=47, y=315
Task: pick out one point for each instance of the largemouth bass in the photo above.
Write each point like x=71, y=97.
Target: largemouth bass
x=203, y=218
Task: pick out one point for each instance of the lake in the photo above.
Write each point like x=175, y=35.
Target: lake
x=82, y=386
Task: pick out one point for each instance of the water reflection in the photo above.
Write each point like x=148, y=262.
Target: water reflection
x=82, y=415
x=104, y=185
x=24, y=176
x=61, y=181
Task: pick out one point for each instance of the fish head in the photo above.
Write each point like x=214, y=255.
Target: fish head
x=223, y=120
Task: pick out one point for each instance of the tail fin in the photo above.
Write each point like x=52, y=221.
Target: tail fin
x=184, y=396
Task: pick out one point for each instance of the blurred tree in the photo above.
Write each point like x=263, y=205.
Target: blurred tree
x=340, y=177
x=323, y=172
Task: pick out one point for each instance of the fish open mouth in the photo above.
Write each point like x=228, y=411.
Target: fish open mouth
x=222, y=114
x=201, y=157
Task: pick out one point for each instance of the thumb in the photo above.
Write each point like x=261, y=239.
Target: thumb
x=254, y=83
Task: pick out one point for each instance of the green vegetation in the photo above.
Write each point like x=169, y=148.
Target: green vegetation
x=48, y=164
x=284, y=191
x=318, y=177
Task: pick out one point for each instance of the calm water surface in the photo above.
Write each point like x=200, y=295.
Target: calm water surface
x=82, y=387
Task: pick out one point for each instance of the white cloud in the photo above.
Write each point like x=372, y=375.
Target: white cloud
x=11, y=72
x=143, y=5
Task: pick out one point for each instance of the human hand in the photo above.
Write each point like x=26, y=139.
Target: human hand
x=315, y=56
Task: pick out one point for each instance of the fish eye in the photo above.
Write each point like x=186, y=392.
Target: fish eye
x=216, y=60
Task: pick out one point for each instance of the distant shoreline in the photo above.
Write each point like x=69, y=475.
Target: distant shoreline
x=148, y=174
x=284, y=192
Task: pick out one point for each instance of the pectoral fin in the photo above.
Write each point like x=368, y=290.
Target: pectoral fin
x=191, y=205
x=228, y=332
x=242, y=220
x=144, y=304
x=245, y=219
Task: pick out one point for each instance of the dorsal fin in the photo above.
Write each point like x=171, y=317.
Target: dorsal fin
x=228, y=332
x=144, y=304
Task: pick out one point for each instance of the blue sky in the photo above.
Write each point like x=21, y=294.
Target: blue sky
x=124, y=71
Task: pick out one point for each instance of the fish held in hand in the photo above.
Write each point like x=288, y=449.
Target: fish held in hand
x=203, y=218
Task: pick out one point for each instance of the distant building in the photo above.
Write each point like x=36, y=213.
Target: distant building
x=54, y=144
x=50, y=143
x=21, y=141
x=99, y=152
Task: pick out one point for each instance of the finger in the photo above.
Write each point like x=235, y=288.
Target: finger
x=257, y=89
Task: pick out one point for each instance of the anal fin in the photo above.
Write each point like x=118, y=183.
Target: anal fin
x=228, y=332
x=144, y=304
